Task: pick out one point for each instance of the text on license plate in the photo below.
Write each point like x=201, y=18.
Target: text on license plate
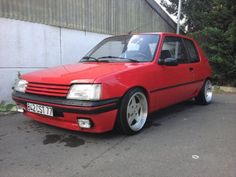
x=40, y=109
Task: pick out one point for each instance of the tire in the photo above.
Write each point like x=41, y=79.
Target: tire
x=133, y=112
x=205, y=95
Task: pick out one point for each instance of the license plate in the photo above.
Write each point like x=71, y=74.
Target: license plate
x=40, y=109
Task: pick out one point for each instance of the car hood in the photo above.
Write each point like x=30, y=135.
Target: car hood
x=77, y=73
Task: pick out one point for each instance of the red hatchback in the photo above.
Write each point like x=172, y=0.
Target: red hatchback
x=118, y=83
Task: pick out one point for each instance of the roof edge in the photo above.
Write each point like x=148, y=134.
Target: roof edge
x=156, y=7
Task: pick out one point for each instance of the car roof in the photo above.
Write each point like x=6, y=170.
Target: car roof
x=167, y=34
x=159, y=33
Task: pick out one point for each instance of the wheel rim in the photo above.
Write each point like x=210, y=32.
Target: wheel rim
x=137, y=111
x=208, y=91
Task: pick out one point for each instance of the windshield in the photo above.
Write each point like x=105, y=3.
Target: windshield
x=131, y=48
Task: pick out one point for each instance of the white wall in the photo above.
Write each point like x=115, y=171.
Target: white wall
x=26, y=46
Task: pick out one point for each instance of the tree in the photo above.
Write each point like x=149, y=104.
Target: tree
x=213, y=24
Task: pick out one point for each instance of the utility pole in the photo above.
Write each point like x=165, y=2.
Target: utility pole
x=178, y=27
x=178, y=16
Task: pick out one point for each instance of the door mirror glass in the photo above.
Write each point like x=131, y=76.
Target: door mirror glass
x=168, y=61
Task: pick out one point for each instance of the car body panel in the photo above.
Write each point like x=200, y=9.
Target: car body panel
x=76, y=73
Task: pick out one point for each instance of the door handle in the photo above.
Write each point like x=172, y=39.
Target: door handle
x=190, y=69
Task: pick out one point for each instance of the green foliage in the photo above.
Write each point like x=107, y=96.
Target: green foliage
x=6, y=107
x=213, y=24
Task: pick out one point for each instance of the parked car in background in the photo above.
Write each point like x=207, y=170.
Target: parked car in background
x=117, y=84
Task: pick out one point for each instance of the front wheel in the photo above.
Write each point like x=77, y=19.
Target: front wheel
x=206, y=94
x=133, y=112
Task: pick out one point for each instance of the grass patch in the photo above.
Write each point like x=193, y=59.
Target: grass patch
x=7, y=107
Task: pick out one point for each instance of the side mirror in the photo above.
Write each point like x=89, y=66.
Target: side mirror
x=168, y=62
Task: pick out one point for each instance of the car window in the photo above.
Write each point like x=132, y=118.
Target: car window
x=152, y=47
x=138, y=47
x=114, y=48
x=173, y=47
x=193, y=54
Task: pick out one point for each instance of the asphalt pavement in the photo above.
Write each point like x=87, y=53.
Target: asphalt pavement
x=185, y=140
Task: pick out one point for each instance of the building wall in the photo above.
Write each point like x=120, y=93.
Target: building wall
x=100, y=16
x=36, y=34
x=26, y=46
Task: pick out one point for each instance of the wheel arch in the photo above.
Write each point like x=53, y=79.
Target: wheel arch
x=210, y=78
x=145, y=91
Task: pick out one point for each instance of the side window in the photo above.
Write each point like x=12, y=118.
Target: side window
x=193, y=54
x=173, y=47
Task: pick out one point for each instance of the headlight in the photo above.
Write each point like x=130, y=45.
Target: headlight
x=85, y=92
x=20, y=85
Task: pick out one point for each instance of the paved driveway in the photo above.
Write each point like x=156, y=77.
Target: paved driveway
x=183, y=140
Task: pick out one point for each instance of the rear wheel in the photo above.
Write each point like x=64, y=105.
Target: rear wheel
x=133, y=112
x=206, y=94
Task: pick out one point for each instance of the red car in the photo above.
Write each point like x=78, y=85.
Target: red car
x=117, y=84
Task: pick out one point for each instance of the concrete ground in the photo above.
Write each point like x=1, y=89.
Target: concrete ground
x=185, y=140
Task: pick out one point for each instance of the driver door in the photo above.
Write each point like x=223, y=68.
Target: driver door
x=173, y=82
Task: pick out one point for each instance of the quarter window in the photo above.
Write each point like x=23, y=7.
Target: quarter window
x=173, y=47
x=193, y=54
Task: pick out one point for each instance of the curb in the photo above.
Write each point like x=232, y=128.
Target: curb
x=224, y=89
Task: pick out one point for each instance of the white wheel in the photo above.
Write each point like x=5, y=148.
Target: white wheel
x=133, y=112
x=205, y=96
x=137, y=111
x=208, y=91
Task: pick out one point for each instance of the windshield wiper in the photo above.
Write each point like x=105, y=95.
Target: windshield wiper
x=109, y=56
x=88, y=58
x=132, y=60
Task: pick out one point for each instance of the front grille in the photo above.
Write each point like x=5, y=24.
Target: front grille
x=47, y=89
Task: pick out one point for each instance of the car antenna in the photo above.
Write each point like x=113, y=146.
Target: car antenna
x=138, y=27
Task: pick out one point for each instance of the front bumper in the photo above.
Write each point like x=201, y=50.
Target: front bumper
x=102, y=113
